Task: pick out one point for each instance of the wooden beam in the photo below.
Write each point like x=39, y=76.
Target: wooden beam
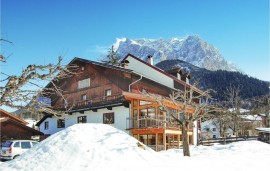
x=109, y=108
x=94, y=110
x=147, y=131
x=156, y=141
x=82, y=112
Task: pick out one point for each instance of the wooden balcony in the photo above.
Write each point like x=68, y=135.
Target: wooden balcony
x=157, y=122
x=92, y=102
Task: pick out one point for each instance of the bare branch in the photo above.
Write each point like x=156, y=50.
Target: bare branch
x=22, y=91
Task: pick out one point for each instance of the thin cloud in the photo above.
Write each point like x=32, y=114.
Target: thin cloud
x=98, y=49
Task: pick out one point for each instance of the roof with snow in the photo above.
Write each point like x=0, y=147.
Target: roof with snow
x=266, y=130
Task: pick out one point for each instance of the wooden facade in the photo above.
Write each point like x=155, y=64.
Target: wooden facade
x=98, y=86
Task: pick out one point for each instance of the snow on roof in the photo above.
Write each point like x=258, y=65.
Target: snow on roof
x=251, y=117
x=241, y=110
x=263, y=129
x=31, y=122
x=100, y=147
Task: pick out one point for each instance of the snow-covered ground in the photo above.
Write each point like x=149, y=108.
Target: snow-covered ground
x=99, y=147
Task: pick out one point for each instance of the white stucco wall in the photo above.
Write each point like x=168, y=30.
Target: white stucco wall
x=195, y=133
x=120, y=115
x=52, y=126
x=209, y=134
x=149, y=72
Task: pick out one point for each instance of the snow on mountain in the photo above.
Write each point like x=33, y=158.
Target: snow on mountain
x=191, y=49
x=102, y=147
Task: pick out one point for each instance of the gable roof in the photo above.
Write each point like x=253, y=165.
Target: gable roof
x=95, y=63
x=100, y=64
x=5, y=114
x=46, y=115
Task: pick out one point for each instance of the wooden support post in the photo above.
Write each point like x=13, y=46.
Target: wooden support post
x=156, y=141
x=178, y=141
x=164, y=141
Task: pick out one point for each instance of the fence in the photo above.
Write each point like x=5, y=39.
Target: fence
x=226, y=140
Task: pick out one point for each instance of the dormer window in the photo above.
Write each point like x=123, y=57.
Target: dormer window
x=84, y=83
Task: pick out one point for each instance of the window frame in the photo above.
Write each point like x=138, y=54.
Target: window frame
x=83, y=97
x=108, y=118
x=83, y=119
x=60, y=123
x=46, y=125
x=84, y=83
x=108, y=90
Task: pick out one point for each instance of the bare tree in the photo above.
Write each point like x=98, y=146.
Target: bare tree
x=262, y=104
x=190, y=105
x=234, y=102
x=221, y=120
x=3, y=58
x=24, y=91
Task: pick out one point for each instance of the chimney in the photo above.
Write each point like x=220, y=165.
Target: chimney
x=178, y=75
x=150, y=60
x=124, y=64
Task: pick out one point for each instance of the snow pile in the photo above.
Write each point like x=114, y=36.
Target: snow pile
x=100, y=147
x=84, y=147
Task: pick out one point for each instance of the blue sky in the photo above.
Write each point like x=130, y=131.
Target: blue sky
x=42, y=30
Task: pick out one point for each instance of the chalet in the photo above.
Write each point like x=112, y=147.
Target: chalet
x=12, y=127
x=107, y=94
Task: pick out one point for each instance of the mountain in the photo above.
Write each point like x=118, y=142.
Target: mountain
x=219, y=80
x=191, y=49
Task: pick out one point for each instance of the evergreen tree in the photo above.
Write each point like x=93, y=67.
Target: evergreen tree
x=111, y=57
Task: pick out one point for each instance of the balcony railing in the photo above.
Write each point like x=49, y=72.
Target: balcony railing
x=148, y=122
x=90, y=102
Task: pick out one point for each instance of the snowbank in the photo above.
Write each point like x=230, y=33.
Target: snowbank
x=84, y=147
x=101, y=147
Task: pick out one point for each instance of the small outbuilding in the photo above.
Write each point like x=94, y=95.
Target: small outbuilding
x=12, y=127
x=264, y=134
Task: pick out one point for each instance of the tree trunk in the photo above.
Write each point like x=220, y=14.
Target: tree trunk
x=186, y=151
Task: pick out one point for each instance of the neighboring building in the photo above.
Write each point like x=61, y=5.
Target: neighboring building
x=246, y=123
x=264, y=134
x=12, y=127
x=107, y=94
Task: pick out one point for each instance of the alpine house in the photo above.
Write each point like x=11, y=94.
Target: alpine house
x=117, y=95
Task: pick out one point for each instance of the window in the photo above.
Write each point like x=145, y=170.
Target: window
x=108, y=92
x=17, y=144
x=214, y=129
x=34, y=143
x=60, y=123
x=46, y=125
x=25, y=145
x=84, y=83
x=7, y=144
x=214, y=136
x=108, y=118
x=135, y=103
x=84, y=97
x=82, y=119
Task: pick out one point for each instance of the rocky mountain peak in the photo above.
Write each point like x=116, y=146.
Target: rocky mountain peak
x=190, y=49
